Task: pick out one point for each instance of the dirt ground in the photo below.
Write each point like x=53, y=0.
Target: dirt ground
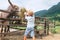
x=52, y=37
x=19, y=36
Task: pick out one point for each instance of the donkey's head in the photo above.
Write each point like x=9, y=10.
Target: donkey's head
x=12, y=9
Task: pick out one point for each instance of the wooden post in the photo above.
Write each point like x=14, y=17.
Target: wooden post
x=45, y=27
x=54, y=24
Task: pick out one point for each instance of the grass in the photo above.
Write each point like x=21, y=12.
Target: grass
x=53, y=30
x=20, y=28
x=39, y=27
x=23, y=28
x=57, y=29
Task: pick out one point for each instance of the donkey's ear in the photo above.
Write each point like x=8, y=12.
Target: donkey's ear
x=10, y=3
x=4, y=11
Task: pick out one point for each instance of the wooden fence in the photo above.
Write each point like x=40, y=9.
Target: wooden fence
x=45, y=25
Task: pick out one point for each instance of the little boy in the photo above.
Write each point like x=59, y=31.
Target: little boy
x=29, y=16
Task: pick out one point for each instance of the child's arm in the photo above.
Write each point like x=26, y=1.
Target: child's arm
x=25, y=15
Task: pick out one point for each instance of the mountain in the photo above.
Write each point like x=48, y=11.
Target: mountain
x=40, y=13
x=53, y=12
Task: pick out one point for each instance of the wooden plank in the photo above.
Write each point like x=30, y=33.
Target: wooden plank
x=14, y=25
x=11, y=19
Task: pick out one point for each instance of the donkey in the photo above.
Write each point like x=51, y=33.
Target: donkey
x=11, y=11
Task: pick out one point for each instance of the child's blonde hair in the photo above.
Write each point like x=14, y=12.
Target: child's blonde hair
x=30, y=12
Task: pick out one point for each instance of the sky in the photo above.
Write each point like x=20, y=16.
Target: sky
x=34, y=5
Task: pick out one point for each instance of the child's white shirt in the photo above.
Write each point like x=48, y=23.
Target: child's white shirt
x=30, y=21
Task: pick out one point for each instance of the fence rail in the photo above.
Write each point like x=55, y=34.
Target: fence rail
x=11, y=19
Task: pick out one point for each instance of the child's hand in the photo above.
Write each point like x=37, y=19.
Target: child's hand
x=25, y=13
